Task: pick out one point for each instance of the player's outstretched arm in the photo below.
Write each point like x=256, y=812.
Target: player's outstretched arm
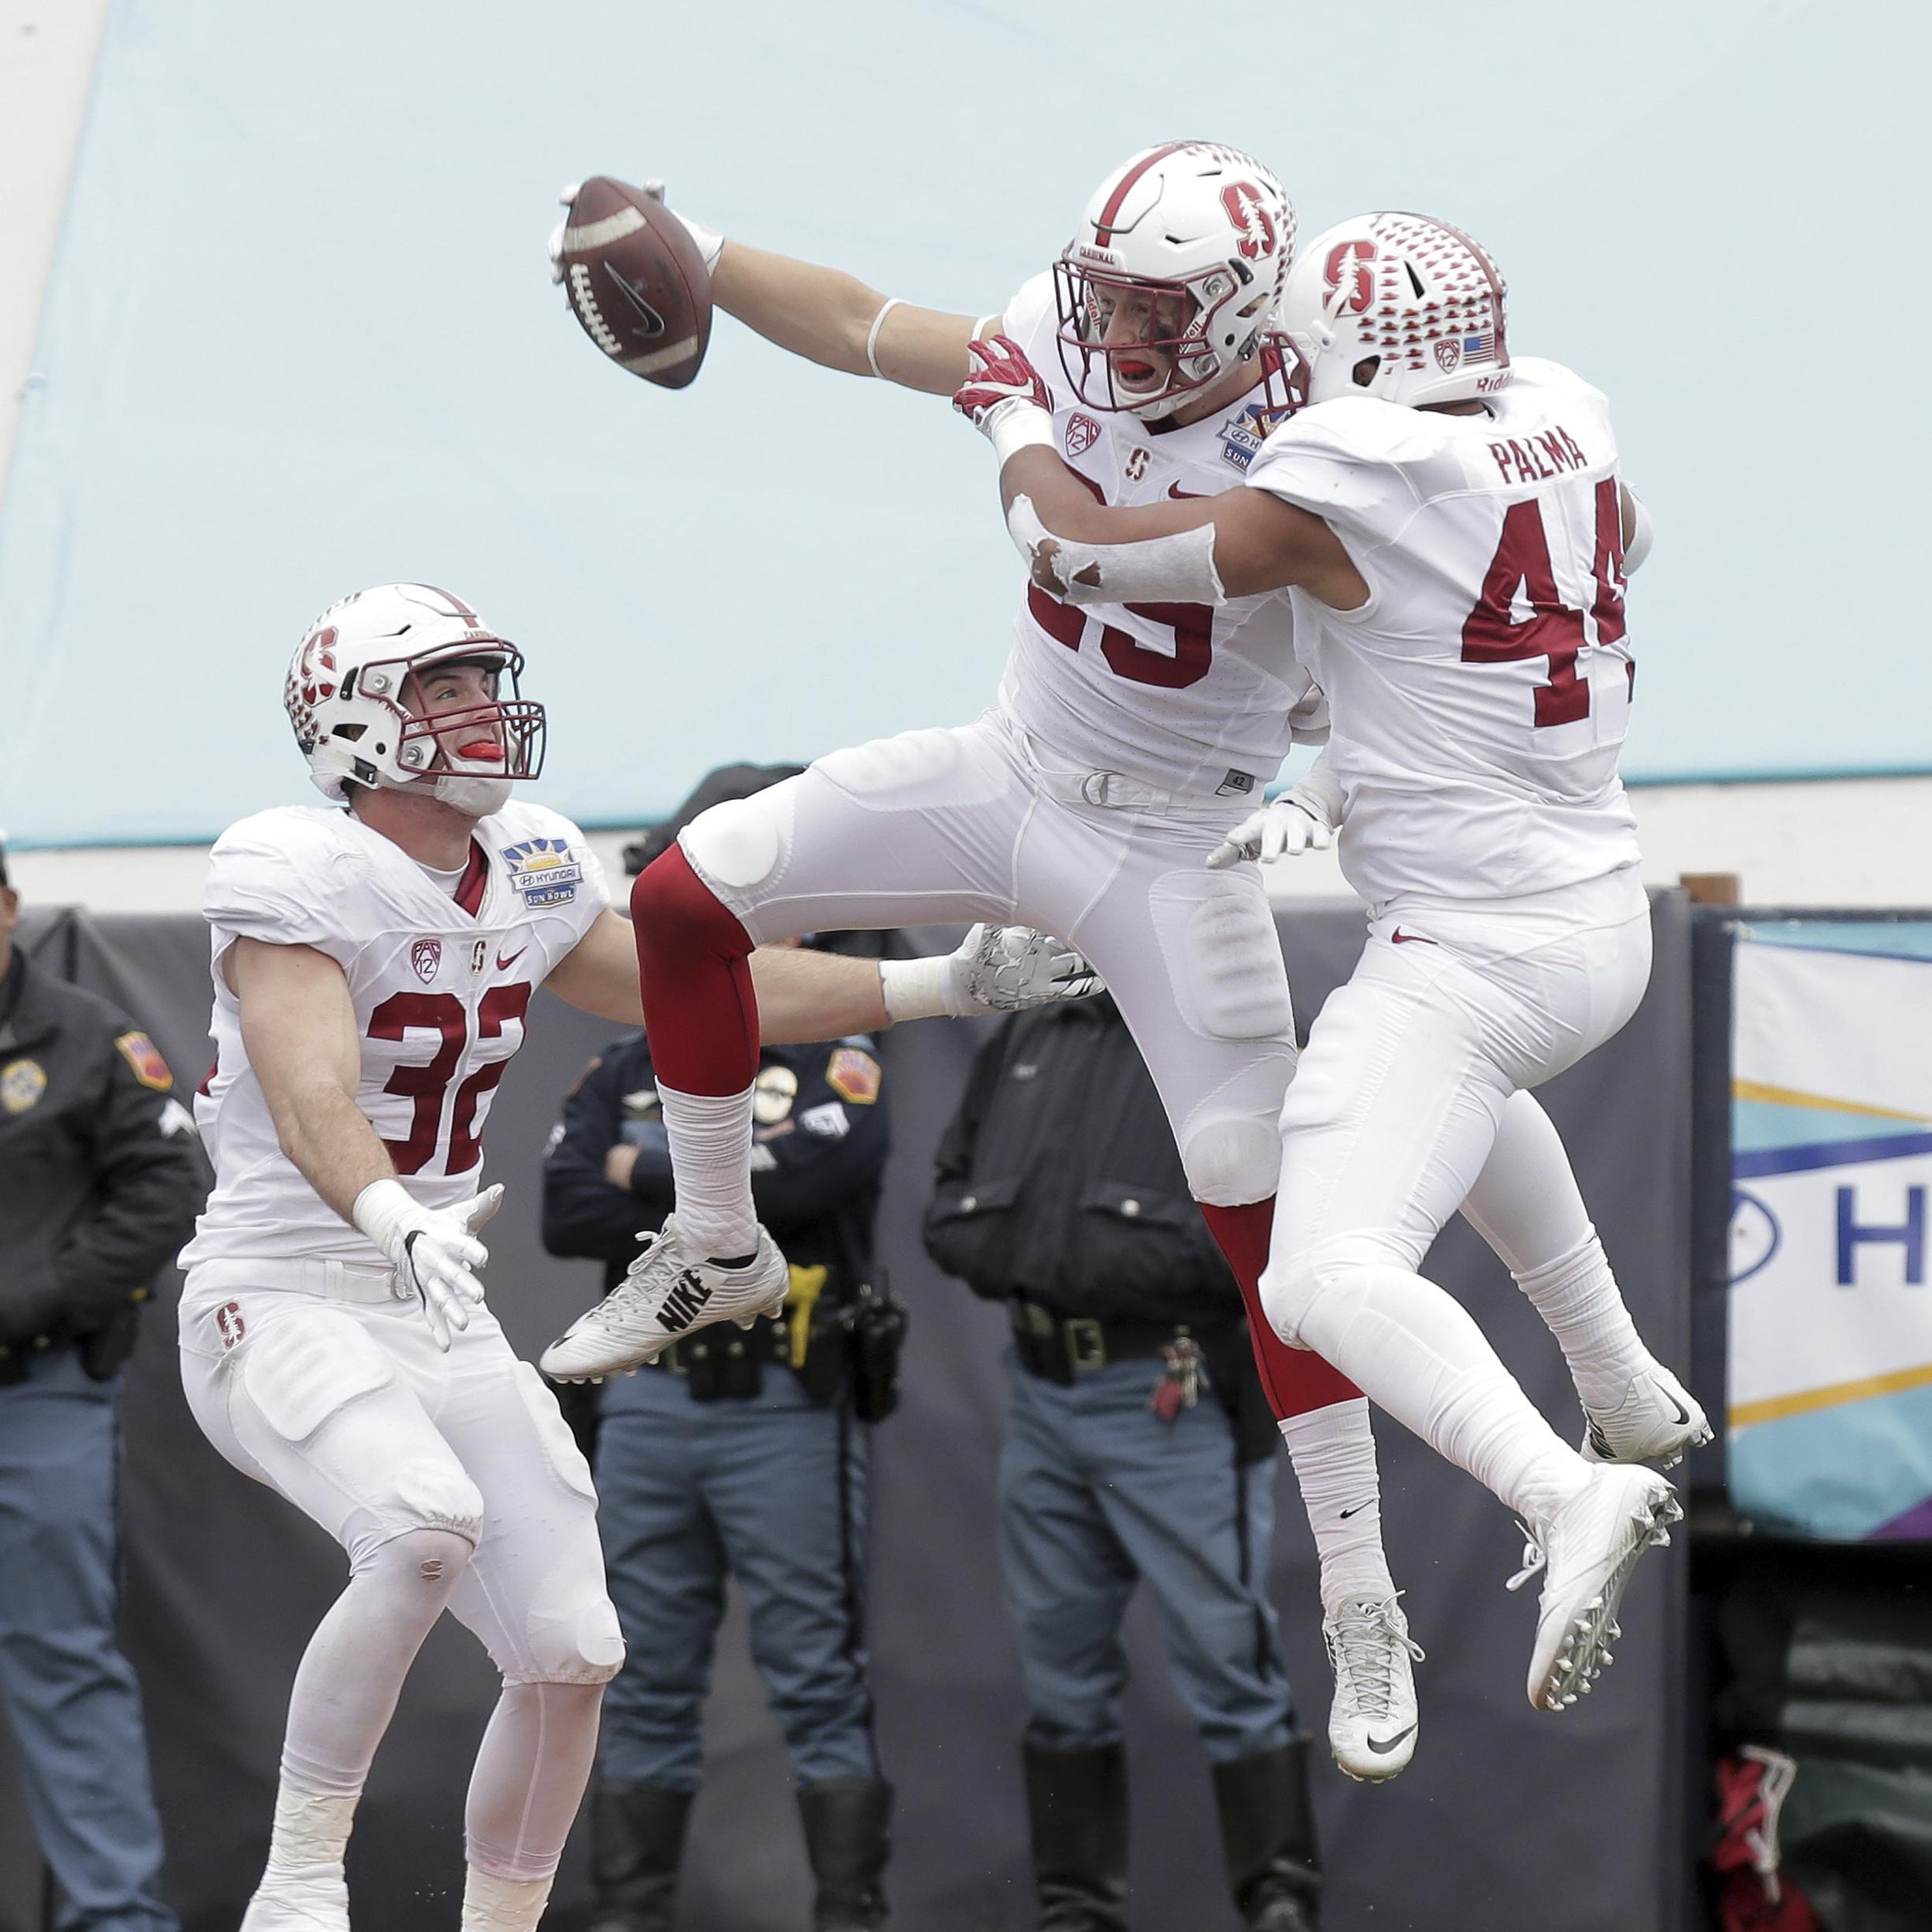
x=805, y=996
x=835, y=319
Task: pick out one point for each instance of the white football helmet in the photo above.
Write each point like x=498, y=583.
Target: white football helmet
x=1419, y=296
x=345, y=697
x=1192, y=240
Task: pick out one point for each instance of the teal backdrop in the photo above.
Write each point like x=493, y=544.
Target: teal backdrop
x=300, y=339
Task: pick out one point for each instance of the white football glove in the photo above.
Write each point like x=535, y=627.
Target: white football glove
x=994, y=969
x=434, y=1251
x=710, y=243
x=1290, y=825
x=1006, y=969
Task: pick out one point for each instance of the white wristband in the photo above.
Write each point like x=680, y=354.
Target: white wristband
x=918, y=988
x=1022, y=426
x=872, y=339
x=379, y=1207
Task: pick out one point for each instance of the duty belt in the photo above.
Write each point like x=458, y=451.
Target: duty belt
x=1062, y=1349
x=769, y=1337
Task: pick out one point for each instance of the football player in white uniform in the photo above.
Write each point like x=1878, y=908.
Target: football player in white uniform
x=1454, y=534
x=1126, y=744
x=373, y=968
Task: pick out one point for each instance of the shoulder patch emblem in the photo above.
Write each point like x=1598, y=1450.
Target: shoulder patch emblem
x=772, y=1094
x=543, y=872
x=853, y=1075
x=21, y=1084
x=143, y=1056
x=425, y=956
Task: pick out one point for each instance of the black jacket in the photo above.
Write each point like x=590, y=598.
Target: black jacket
x=101, y=1174
x=1058, y=1179
x=820, y=1140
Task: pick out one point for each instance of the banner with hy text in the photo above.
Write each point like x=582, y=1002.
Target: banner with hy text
x=1831, y=1314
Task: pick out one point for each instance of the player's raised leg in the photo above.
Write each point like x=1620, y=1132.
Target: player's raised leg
x=1526, y=1205
x=1392, y=1116
x=901, y=831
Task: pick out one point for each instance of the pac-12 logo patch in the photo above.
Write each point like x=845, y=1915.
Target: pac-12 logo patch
x=427, y=957
x=542, y=871
x=1448, y=352
x=1082, y=434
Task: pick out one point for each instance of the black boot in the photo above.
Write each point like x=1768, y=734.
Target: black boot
x=1267, y=1833
x=848, y=1841
x=637, y=1840
x=1077, y=1802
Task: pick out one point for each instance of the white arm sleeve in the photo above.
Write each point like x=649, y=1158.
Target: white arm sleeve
x=1178, y=569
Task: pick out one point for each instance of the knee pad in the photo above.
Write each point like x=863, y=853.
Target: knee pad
x=434, y=1556
x=676, y=911
x=435, y=1494
x=737, y=844
x=570, y=1631
x=1222, y=956
x=1231, y=1160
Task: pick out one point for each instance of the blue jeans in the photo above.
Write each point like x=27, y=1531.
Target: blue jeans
x=1098, y=1492
x=770, y=1489
x=70, y=1695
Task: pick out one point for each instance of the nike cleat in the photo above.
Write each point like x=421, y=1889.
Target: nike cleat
x=665, y=1294
x=310, y=1898
x=1373, y=1722
x=1656, y=1422
x=1587, y=1553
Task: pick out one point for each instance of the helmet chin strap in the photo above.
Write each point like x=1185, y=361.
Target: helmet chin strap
x=478, y=797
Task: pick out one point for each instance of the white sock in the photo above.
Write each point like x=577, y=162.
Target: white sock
x=503, y=1904
x=1334, y=1453
x=1577, y=1296
x=311, y=1830
x=1413, y=1351
x=710, y=1136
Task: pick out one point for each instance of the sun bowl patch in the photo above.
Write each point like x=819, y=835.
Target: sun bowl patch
x=21, y=1084
x=144, y=1057
x=853, y=1076
x=542, y=872
x=1246, y=430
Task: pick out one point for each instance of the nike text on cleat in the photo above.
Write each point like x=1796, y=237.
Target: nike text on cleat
x=1586, y=1552
x=304, y=1898
x=666, y=1294
x=1656, y=1422
x=1373, y=1722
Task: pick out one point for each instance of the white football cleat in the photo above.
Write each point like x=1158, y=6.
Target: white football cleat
x=1586, y=1552
x=666, y=1294
x=1372, y=1723
x=1656, y=1422
x=309, y=1898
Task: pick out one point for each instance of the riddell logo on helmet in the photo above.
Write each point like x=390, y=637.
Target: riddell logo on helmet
x=1082, y=434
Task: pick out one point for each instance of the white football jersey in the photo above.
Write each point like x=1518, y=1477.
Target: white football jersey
x=441, y=985
x=1477, y=700
x=1179, y=696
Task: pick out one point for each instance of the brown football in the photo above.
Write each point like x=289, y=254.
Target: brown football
x=636, y=282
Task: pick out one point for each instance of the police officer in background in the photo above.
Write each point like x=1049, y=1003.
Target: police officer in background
x=738, y=1453
x=1138, y=1445
x=101, y=1177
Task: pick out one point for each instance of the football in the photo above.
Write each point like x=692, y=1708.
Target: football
x=636, y=282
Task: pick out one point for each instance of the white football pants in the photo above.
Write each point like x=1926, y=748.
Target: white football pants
x=1393, y=1115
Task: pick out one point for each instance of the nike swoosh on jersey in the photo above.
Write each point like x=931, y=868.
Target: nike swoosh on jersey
x=503, y=965
x=1382, y=1747
x=1185, y=496
x=1401, y=938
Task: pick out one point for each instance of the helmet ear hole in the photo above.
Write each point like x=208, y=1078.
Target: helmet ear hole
x=1364, y=371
